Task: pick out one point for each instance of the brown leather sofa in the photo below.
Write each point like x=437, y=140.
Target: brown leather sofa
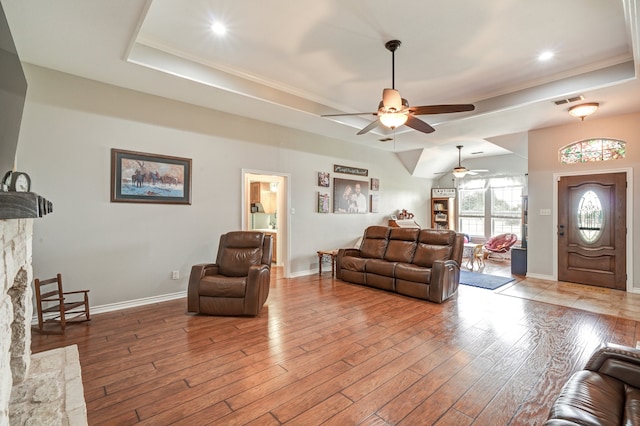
x=421, y=263
x=238, y=283
x=606, y=392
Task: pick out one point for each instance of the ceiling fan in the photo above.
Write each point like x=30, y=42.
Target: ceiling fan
x=460, y=171
x=394, y=111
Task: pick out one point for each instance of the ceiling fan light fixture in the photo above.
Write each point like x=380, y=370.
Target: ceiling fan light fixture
x=393, y=119
x=583, y=110
x=459, y=172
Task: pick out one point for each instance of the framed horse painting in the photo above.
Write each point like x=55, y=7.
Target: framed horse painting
x=139, y=177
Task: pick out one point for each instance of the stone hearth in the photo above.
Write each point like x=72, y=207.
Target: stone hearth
x=52, y=393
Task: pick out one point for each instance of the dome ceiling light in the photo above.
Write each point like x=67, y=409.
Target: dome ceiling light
x=583, y=110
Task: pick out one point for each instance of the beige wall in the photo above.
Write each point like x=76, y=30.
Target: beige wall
x=543, y=163
x=124, y=251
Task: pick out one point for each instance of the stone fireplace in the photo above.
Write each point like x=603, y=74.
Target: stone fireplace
x=45, y=388
x=16, y=309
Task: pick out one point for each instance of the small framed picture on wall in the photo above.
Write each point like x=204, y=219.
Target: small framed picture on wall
x=375, y=184
x=323, y=179
x=375, y=202
x=324, y=200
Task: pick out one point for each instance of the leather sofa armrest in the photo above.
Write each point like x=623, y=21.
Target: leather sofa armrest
x=445, y=277
x=620, y=362
x=342, y=253
x=349, y=252
x=197, y=272
x=257, y=289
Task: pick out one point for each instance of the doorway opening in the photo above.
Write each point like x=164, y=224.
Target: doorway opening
x=265, y=208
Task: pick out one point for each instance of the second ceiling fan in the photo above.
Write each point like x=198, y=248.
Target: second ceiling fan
x=394, y=111
x=460, y=171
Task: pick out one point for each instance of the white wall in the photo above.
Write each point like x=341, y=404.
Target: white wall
x=125, y=251
x=543, y=163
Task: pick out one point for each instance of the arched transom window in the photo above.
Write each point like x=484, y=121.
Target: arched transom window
x=590, y=150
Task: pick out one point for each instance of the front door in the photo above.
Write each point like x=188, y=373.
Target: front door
x=592, y=226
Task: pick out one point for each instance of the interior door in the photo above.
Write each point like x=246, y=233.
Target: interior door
x=592, y=226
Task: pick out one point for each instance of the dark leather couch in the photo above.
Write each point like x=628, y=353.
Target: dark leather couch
x=238, y=283
x=606, y=392
x=421, y=263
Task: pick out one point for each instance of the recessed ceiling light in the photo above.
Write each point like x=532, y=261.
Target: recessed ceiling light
x=218, y=28
x=545, y=56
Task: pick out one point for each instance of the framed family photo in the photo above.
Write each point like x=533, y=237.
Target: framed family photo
x=350, y=196
x=139, y=177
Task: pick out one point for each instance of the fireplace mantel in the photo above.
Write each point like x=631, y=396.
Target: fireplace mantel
x=23, y=205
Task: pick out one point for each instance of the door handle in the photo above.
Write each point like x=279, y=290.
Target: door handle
x=561, y=231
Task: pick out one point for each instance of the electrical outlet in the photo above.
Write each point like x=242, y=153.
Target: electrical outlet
x=175, y=275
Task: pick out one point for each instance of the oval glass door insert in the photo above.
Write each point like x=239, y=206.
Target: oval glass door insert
x=590, y=217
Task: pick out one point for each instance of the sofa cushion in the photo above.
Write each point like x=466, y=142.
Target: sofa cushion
x=426, y=254
x=409, y=272
x=433, y=245
x=402, y=245
x=591, y=398
x=374, y=242
x=221, y=286
x=238, y=251
x=437, y=237
x=380, y=267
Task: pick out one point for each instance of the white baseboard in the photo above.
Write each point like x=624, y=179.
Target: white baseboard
x=123, y=305
x=137, y=302
x=540, y=276
x=304, y=273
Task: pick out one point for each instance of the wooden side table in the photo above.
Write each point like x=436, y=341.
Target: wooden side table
x=329, y=253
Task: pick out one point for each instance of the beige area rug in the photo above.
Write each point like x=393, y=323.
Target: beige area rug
x=580, y=296
x=52, y=393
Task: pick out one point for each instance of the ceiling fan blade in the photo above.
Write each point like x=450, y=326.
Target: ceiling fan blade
x=347, y=114
x=419, y=125
x=391, y=100
x=440, y=109
x=479, y=170
x=370, y=127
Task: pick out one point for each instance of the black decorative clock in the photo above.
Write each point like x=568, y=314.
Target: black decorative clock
x=17, y=181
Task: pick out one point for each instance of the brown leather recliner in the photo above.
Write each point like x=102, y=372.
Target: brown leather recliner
x=238, y=283
x=605, y=392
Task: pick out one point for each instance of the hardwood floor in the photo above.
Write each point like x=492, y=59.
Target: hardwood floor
x=327, y=352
